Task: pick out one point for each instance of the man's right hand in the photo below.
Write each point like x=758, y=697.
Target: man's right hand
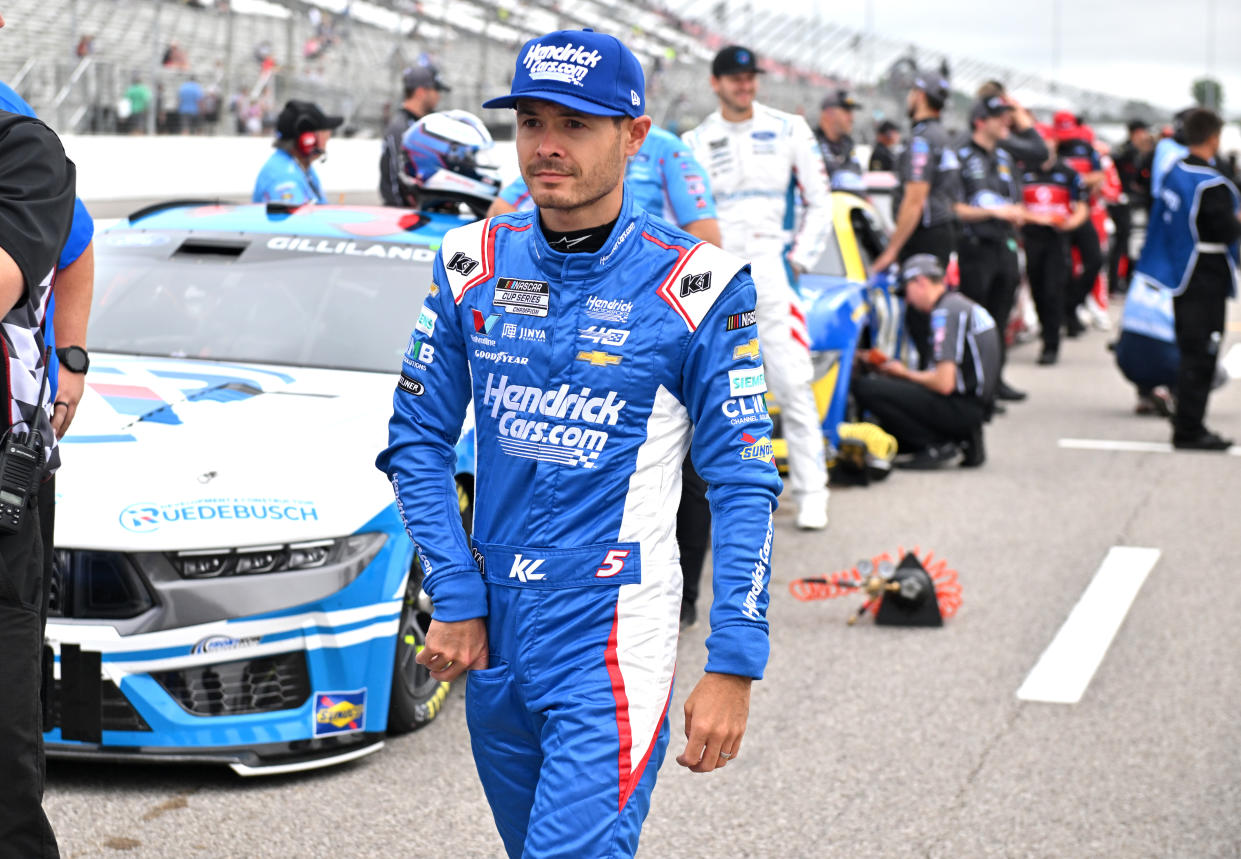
x=454, y=648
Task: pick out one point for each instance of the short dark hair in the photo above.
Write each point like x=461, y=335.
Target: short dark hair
x=1201, y=125
x=990, y=88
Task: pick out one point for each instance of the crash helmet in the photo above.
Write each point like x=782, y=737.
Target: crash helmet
x=441, y=168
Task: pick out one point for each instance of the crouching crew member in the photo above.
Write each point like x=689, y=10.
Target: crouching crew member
x=936, y=413
x=1192, y=249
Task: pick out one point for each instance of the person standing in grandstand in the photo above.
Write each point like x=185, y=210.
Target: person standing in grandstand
x=1192, y=250
x=834, y=134
x=883, y=154
x=1128, y=159
x=422, y=86
x=288, y=177
x=989, y=213
x=1055, y=204
x=752, y=154
x=189, y=105
x=570, y=633
x=668, y=182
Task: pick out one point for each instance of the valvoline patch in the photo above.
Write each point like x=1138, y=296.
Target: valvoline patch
x=339, y=712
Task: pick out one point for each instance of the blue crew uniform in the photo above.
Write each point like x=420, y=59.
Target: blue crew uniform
x=588, y=373
x=284, y=180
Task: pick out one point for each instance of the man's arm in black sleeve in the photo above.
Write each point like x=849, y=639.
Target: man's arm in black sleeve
x=1217, y=217
x=36, y=195
x=1026, y=147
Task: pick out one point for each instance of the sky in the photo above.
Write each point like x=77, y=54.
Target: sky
x=1150, y=50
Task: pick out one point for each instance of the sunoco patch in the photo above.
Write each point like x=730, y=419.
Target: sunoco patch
x=339, y=712
x=524, y=297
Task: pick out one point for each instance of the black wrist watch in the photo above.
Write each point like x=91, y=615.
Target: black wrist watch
x=74, y=359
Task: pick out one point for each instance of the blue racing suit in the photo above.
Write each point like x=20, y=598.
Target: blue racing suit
x=284, y=180
x=664, y=177
x=588, y=374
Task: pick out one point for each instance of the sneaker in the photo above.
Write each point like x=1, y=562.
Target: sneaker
x=1204, y=440
x=812, y=517
x=935, y=456
x=973, y=452
x=1005, y=391
x=1163, y=401
x=1048, y=357
x=1098, y=315
x=689, y=616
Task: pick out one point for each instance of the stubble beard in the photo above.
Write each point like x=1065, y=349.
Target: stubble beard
x=589, y=187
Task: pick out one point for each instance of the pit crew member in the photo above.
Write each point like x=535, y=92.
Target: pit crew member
x=834, y=134
x=36, y=210
x=1076, y=149
x=1055, y=204
x=883, y=154
x=302, y=133
x=1192, y=250
x=990, y=213
x=422, y=85
x=571, y=629
x=938, y=412
x=752, y=153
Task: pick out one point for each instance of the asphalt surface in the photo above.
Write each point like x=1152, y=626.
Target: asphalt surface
x=868, y=741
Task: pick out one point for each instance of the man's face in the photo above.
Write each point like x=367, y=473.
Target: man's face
x=1142, y=139
x=571, y=159
x=322, y=137
x=426, y=99
x=993, y=128
x=913, y=102
x=890, y=139
x=736, y=92
x=836, y=121
x=919, y=292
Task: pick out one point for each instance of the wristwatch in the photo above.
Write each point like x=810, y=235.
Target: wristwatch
x=74, y=359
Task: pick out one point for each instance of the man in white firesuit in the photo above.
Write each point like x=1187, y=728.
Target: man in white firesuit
x=750, y=152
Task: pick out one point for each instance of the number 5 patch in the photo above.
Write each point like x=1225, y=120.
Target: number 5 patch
x=613, y=563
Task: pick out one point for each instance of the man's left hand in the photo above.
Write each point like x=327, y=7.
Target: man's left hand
x=715, y=717
x=68, y=394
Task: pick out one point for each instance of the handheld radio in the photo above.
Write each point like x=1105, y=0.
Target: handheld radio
x=21, y=469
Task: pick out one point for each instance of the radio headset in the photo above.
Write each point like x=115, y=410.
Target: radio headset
x=307, y=140
x=21, y=467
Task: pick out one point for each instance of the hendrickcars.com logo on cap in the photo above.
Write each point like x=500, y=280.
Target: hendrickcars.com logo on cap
x=579, y=69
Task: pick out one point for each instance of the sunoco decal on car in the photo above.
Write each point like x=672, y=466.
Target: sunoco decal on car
x=144, y=518
x=339, y=712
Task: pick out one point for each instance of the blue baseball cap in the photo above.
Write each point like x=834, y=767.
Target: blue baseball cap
x=580, y=69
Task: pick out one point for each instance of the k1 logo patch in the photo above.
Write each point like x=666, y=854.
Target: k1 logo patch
x=461, y=264
x=692, y=283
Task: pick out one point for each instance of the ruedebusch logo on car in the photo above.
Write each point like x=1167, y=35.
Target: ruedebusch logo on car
x=564, y=63
x=147, y=518
x=547, y=441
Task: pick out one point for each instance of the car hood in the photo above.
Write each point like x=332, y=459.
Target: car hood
x=180, y=454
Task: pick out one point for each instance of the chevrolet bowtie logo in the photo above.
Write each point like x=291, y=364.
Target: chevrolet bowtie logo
x=599, y=359
x=749, y=350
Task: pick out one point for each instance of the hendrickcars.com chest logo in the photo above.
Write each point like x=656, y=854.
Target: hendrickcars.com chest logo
x=144, y=518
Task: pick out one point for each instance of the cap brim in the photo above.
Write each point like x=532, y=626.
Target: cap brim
x=332, y=122
x=570, y=101
x=442, y=87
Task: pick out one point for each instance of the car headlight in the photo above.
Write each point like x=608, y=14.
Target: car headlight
x=357, y=549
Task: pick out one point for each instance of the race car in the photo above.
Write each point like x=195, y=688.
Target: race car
x=233, y=582
x=847, y=309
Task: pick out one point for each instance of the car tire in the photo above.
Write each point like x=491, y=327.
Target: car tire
x=417, y=697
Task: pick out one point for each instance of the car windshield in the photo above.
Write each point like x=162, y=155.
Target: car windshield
x=335, y=311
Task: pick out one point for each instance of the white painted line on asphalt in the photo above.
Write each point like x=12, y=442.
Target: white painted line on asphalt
x=1128, y=446
x=1067, y=665
x=1232, y=361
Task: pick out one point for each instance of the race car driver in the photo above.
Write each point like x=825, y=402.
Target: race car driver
x=668, y=182
x=570, y=629
x=752, y=153
x=302, y=133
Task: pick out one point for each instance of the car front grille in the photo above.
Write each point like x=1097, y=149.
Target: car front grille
x=116, y=713
x=261, y=685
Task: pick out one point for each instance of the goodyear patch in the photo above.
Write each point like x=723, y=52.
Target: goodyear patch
x=339, y=712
